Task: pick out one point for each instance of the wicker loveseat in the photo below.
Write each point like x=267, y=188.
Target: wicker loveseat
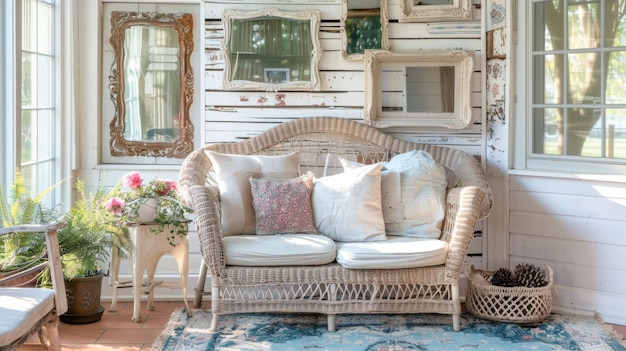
x=330, y=288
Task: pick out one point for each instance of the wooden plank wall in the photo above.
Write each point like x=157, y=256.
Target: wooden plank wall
x=231, y=116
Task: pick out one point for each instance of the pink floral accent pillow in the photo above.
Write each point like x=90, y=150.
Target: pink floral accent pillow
x=283, y=206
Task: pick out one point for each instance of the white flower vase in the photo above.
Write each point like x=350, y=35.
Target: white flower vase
x=147, y=211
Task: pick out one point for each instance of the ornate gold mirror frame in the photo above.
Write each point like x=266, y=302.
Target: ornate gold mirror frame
x=151, y=84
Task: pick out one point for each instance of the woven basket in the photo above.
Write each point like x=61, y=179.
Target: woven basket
x=518, y=304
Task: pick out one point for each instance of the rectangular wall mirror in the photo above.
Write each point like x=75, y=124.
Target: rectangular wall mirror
x=271, y=50
x=434, y=10
x=364, y=25
x=435, y=88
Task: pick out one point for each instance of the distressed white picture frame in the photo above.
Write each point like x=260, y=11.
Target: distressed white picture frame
x=376, y=60
x=447, y=10
x=313, y=16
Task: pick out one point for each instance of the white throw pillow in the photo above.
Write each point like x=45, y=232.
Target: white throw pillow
x=347, y=206
x=233, y=173
x=423, y=189
x=391, y=200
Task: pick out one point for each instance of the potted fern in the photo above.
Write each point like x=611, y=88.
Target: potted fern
x=23, y=252
x=89, y=233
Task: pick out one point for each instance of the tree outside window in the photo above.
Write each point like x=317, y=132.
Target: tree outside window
x=579, y=67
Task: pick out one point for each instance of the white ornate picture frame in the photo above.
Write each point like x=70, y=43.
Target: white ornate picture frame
x=248, y=55
x=386, y=107
x=434, y=10
x=349, y=49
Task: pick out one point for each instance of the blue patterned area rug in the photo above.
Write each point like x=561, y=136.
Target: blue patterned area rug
x=299, y=332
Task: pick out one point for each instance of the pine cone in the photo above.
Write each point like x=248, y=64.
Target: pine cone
x=530, y=276
x=504, y=277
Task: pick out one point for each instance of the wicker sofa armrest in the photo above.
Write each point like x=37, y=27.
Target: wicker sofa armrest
x=205, y=202
x=463, y=206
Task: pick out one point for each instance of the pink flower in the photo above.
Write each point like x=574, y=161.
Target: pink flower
x=132, y=180
x=172, y=185
x=115, y=205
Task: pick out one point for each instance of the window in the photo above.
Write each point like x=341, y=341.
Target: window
x=30, y=45
x=575, y=101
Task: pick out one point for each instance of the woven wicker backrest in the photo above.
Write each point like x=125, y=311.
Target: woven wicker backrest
x=321, y=141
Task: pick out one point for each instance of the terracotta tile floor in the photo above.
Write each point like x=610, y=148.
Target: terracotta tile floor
x=115, y=331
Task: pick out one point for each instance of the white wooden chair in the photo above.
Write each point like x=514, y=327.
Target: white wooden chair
x=26, y=310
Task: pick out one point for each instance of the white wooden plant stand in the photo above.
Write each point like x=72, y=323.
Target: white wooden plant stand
x=148, y=247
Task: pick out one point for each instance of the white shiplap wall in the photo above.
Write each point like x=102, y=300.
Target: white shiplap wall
x=576, y=226
x=232, y=116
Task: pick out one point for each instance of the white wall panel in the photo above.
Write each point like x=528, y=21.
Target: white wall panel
x=577, y=225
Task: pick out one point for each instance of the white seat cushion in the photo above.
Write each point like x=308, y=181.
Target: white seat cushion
x=21, y=309
x=278, y=250
x=393, y=253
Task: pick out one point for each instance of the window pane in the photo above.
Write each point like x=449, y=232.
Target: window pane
x=579, y=123
x=607, y=138
x=549, y=30
x=616, y=78
x=45, y=140
x=546, y=131
x=29, y=25
x=45, y=81
x=45, y=13
x=549, y=70
x=615, y=23
x=585, y=78
x=28, y=80
x=583, y=24
x=27, y=137
x=44, y=178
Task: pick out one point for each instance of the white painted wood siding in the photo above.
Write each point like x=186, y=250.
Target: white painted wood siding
x=577, y=227
x=231, y=116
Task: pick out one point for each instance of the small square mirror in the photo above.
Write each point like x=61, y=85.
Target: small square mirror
x=364, y=25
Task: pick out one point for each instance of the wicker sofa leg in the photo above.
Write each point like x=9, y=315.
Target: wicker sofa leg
x=331, y=322
x=197, y=301
x=456, y=318
x=456, y=322
x=215, y=321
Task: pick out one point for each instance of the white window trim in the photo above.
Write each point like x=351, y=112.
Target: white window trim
x=10, y=34
x=521, y=132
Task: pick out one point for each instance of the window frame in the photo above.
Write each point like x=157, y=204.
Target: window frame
x=11, y=104
x=521, y=134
